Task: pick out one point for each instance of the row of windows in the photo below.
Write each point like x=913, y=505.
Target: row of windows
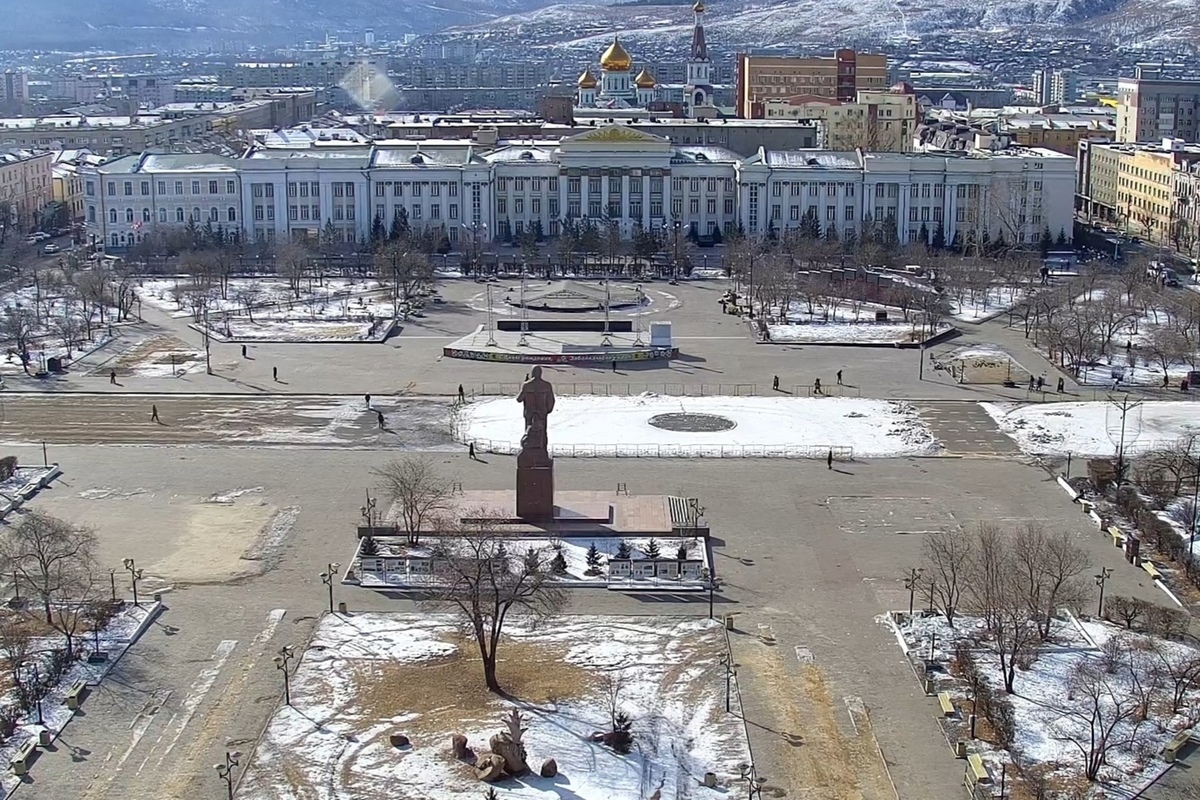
x=197, y=187
x=164, y=215
x=415, y=188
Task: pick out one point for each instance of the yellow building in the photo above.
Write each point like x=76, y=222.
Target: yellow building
x=1134, y=185
x=26, y=187
x=876, y=121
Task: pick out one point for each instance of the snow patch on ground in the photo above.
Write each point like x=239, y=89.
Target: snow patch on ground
x=1093, y=428
x=848, y=332
x=228, y=498
x=334, y=741
x=872, y=428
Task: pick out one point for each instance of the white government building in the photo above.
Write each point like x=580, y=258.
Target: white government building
x=612, y=175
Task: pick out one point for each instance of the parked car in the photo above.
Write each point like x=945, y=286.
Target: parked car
x=51, y=249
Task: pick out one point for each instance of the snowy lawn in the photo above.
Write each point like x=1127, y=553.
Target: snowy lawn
x=1093, y=428
x=114, y=640
x=984, y=304
x=847, y=332
x=268, y=309
x=761, y=426
x=366, y=676
x=1052, y=699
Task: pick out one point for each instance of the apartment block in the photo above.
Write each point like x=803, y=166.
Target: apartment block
x=26, y=185
x=841, y=77
x=1152, y=107
x=874, y=121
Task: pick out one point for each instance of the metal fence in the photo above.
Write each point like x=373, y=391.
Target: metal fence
x=508, y=448
x=668, y=389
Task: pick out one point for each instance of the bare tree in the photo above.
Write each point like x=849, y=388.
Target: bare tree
x=1180, y=667
x=292, y=263
x=19, y=325
x=79, y=592
x=14, y=642
x=948, y=558
x=419, y=488
x=247, y=296
x=483, y=586
x=1102, y=715
x=46, y=555
x=403, y=271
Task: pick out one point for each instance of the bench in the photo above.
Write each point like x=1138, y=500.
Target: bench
x=75, y=695
x=1117, y=537
x=20, y=761
x=1171, y=749
x=976, y=771
x=946, y=704
x=1151, y=570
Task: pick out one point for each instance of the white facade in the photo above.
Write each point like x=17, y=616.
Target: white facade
x=611, y=175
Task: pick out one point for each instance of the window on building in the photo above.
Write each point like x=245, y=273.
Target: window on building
x=435, y=211
x=129, y=215
x=435, y=189
x=212, y=187
x=179, y=215
x=195, y=187
x=416, y=212
x=501, y=206
x=112, y=189
x=594, y=186
x=145, y=215
x=794, y=213
x=112, y=215
x=232, y=214
x=129, y=188
x=728, y=206
x=573, y=185
x=453, y=211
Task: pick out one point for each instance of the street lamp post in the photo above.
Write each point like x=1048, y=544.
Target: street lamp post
x=327, y=578
x=283, y=663
x=730, y=674
x=1105, y=574
x=225, y=771
x=713, y=584
x=910, y=583
x=37, y=691
x=112, y=581
x=135, y=575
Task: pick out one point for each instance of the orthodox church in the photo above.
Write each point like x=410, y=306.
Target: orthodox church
x=617, y=88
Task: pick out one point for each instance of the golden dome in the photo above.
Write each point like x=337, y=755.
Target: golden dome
x=615, y=58
x=699, y=7
x=644, y=80
x=587, y=80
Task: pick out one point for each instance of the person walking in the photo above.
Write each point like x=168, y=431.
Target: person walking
x=275, y=374
x=1032, y=382
x=471, y=450
x=1040, y=383
x=243, y=351
x=462, y=398
x=379, y=414
x=1061, y=385
x=839, y=377
x=817, y=386
x=775, y=383
x=154, y=414
x=829, y=460
x=112, y=377
x=614, y=365
x=367, y=397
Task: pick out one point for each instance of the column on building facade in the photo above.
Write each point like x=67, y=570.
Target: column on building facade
x=646, y=199
x=584, y=178
x=627, y=221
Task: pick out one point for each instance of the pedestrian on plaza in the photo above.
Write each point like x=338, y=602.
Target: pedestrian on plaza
x=154, y=414
x=1041, y=382
x=1061, y=384
x=1183, y=385
x=243, y=351
x=775, y=383
x=112, y=377
x=275, y=374
x=817, y=386
x=471, y=450
x=614, y=365
x=839, y=377
x=829, y=460
x=461, y=396
x=368, y=399
x=1166, y=381
x=1032, y=382
x=379, y=414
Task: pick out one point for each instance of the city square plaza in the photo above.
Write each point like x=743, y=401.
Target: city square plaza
x=257, y=476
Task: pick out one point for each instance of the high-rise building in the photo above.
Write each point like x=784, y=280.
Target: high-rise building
x=14, y=88
x=763, y=78
x=1152, y=107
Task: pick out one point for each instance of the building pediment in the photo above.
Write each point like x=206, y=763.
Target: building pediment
x=618, y=136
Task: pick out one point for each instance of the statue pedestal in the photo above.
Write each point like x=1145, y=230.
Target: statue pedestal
x=535, y=486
